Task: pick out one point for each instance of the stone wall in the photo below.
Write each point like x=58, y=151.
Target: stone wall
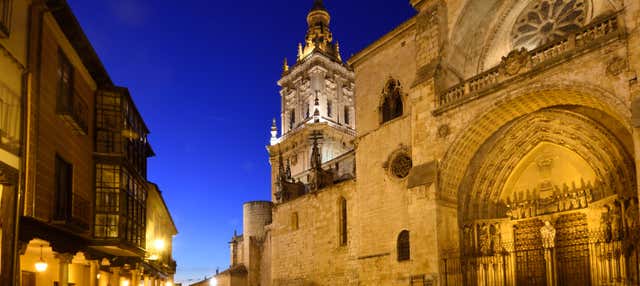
x=311, y=254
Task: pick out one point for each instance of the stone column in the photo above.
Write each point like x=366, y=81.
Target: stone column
x=64, y=259
x=115, y=277
x=550, y=259
x=147, y=282
x=93, y=272
x=104, y=279
x=135, y=277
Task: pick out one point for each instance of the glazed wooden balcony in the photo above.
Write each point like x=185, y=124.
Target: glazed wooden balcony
x=75, y=112
x=520, y=63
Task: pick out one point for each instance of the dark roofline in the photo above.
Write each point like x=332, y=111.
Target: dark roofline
x=71, y=28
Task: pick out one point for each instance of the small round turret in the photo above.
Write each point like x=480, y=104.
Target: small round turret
x=256, y=215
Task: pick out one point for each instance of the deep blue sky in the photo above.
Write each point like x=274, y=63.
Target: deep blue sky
x=203, y=74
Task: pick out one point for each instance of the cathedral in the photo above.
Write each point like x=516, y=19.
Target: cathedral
x=481, y=142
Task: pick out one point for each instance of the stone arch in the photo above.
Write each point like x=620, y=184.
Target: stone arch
x=481, y=33
x=512, y=106
x=605, y=165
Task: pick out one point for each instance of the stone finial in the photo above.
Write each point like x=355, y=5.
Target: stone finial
x=285, y=66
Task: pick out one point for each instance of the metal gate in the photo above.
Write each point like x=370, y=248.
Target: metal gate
x=530, y=264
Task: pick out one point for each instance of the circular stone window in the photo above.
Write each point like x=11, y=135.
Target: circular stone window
x=401, y=165
x=547, y=21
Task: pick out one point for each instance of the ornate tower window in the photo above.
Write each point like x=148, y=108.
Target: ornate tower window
x=391, y=106
x=292, y=119
x=404, y=246
x=547, y=21
x=347, y=117
x=329, y=108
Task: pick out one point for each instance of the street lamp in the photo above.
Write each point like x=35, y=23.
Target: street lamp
x=213, y=281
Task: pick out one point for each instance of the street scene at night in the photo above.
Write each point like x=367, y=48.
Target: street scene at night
x=319, y=142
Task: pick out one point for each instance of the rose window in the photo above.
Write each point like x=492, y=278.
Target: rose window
x=546, y=21
x=401, y=165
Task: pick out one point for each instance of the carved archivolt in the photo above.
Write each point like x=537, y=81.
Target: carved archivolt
x=458, y=157
x=579, y=134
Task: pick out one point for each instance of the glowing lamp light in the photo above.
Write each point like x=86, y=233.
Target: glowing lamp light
x=213, y=282
x=168, y=284
x=41, y=265
x=125, y=283
x=159, y=244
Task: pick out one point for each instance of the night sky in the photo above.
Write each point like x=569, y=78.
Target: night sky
x=203, y=74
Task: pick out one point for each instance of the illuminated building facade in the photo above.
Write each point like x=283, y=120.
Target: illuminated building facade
x=85, y=213
x=14, y=76
x=495, y=143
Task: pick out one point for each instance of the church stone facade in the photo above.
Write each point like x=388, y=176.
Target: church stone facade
x=481, y=142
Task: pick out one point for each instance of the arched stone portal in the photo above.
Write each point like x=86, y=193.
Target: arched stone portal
x=546, y=195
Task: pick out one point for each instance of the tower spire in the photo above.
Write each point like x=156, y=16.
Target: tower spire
x=319, y=36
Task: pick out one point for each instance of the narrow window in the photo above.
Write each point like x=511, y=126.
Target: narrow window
x=329, y=108
x=404, y=247
x=5, y=17
x=292, y=119
x=343, y=221
x=294, y=221
x=347, y=119
x=63, y=189
x=307, y=111
x=65, y=83
x=391, y=107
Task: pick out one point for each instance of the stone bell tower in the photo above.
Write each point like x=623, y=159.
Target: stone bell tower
x=317, y=95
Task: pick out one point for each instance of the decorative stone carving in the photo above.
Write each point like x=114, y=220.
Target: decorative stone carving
x=401, y=165
x=468, y=239
x=631, y=215
x=485, y=239
x=616, y=66
x=514, y=62
x=548, y=234
x=547, y=21
x=496, y=238
x=443, y=131
x=616, y=222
